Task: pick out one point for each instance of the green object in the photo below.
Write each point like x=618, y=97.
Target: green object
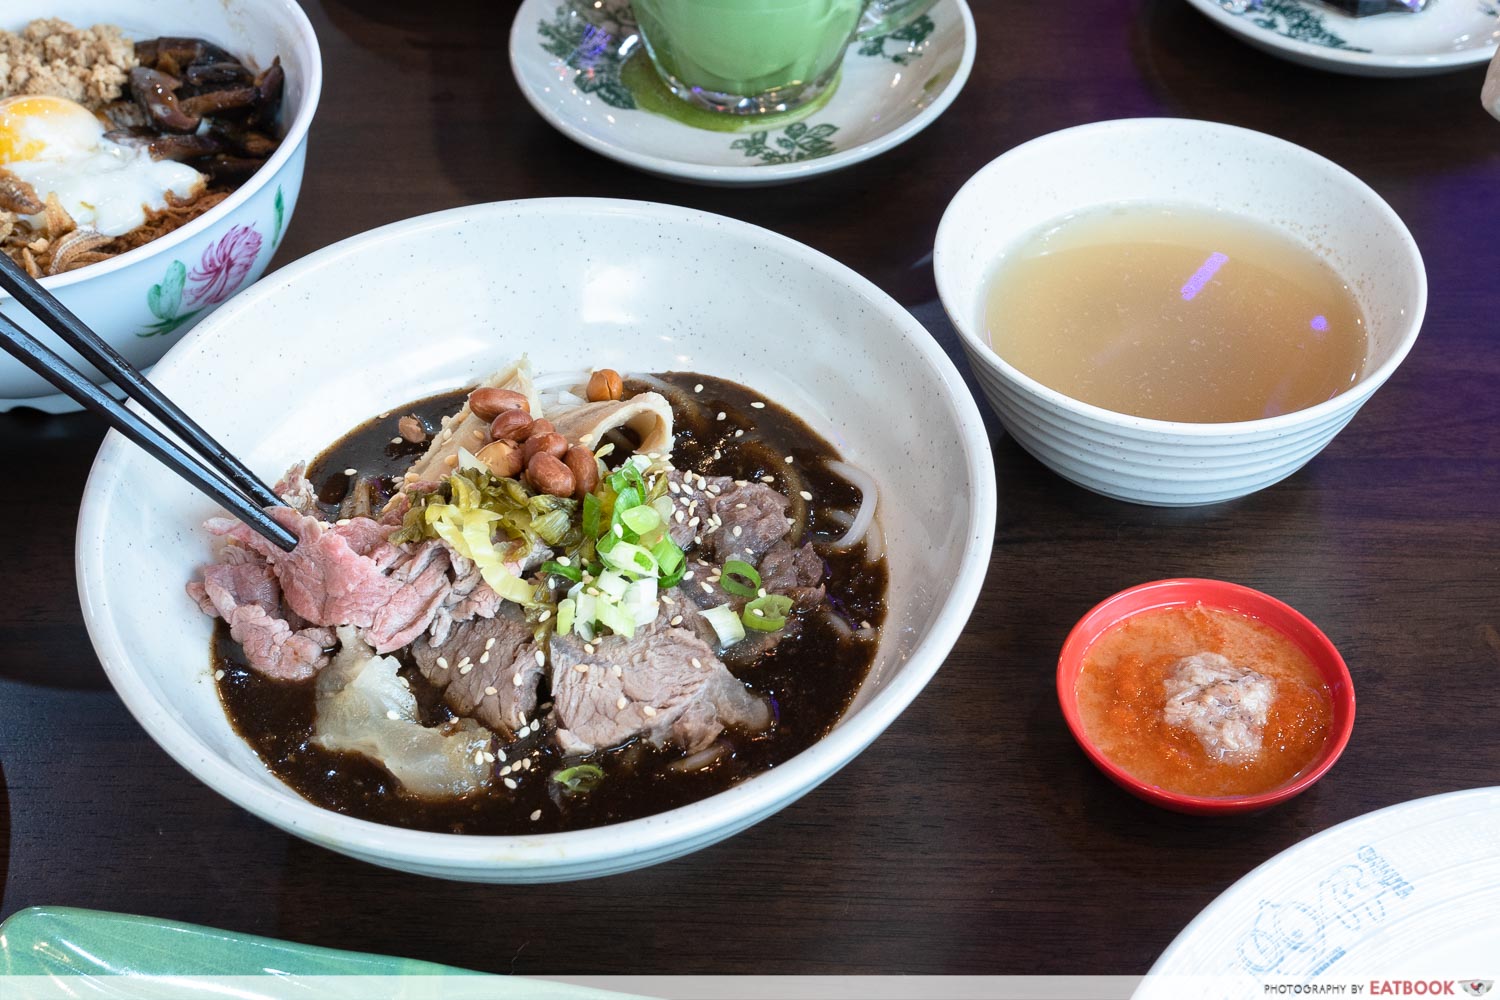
x=581, y=778
x=767, y=614
x=740, y=578
x=724, y=52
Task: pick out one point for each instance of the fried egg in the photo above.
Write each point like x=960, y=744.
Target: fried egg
x=58, y=146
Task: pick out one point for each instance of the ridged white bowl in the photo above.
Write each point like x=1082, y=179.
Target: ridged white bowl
x=1181, y=162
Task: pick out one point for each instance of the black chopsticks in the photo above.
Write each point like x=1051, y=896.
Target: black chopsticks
x=243, y=494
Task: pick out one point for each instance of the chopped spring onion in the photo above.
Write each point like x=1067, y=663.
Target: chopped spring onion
x=591, y=517
x=726, y=624
x=619, y=620
x=767, y=614
x=565, y=610
x=642, y=520
x=629, y=558
x=740, y=579
x=612, y=584
x=586, y=612
x=669, y=561
x=553, y=568
x=580, y=778
x=640, y=602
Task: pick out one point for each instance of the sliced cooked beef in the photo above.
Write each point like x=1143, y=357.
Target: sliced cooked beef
x=425, y=585
x=690, y=494
x=751, y=519
x=663, y=683
x=244, y=593
x=794, y=572
x=481, y=656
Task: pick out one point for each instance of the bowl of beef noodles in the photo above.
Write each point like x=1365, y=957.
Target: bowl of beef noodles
x=619, y=527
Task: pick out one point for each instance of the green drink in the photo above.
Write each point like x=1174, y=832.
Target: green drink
x=747, y=56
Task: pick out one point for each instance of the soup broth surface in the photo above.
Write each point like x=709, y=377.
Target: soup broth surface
x=1176, y=313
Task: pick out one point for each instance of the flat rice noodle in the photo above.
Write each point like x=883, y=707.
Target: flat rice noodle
x=459, y=429
x=648, y=414
x=358, y=693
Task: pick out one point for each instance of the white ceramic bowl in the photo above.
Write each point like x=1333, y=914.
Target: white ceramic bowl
x=432, y=303
x=1182, y=162
x=200, y=265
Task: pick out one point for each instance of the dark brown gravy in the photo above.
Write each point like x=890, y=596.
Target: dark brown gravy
x=811, y=678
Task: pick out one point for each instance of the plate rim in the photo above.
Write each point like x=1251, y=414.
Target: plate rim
x=747, y=175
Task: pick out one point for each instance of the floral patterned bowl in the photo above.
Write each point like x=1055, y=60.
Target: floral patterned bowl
x=144, y=300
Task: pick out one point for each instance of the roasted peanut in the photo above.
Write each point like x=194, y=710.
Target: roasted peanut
x=605, y=384
x=512, y=425
x=489, y=402
x=551, y=443
x=502, y=458
x=549, y=475
x=585, y=469
x=541, y=426
x=411, y=429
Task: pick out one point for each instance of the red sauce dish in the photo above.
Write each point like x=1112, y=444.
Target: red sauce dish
x=1288, y=718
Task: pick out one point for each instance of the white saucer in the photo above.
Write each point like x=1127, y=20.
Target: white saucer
x=1411, y=892
x=569, y=58
x=1448, y=35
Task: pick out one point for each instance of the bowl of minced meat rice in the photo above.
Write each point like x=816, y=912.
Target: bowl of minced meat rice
x=141, y=220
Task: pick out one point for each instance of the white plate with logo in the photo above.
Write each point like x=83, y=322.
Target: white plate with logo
x=581, y=66
x=1446, y=35
x=1405, y=895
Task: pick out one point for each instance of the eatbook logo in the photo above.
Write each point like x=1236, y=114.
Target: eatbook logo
x=1477, y=987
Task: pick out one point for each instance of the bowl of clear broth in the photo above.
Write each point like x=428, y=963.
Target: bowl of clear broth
x=606, y=550
x=1176, y=312
x=1204, y=696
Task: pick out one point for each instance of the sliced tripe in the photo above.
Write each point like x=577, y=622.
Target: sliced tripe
x=459, y=430
x=363, y=707
x=649, y=415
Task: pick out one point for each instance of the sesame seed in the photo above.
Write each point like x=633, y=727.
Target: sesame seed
x=506, y=770
x=511, y=784
x=582, y=668
x=715, y=490
x=442, y=662
x=351, y=472
x=464, y=670
x=698, y=387
x=564, y=561
x=516, y=680
x=676, y=620
x=739, y=506
x=688, y=575
x=717, y=454
x=706, y=588
x=864, y=624
x=806, y=495
x=617, y=671
x=668, y=598
x=789, y=460
x=392, y=714
x=479, y=756
x=501, y=754
x=649, y=711
x=523, y=732
x=385, y=414
x=758, y=405
x=672, y=486
x=541, y=658
x=546, y=613
x=761, y=592
x=693, y=521
x=489, y=644
x=620, y=702
x=397, y=440
x=536, y=815
x=479, y=434
x=720, y=416
x=678, y=517
x=484, y=657
x=525, y=764
x=588, y=648
x=697, y=539
x=489, y=758
x=757, y=612
x=739, y=433
x=218, y=675
x=738, y=531
x=697, y=664
x=768, y=479
x=491, y=691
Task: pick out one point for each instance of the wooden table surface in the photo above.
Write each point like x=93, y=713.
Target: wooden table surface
x=973, y=836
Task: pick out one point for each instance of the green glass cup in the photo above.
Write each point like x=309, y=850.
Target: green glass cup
x=753, y=57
